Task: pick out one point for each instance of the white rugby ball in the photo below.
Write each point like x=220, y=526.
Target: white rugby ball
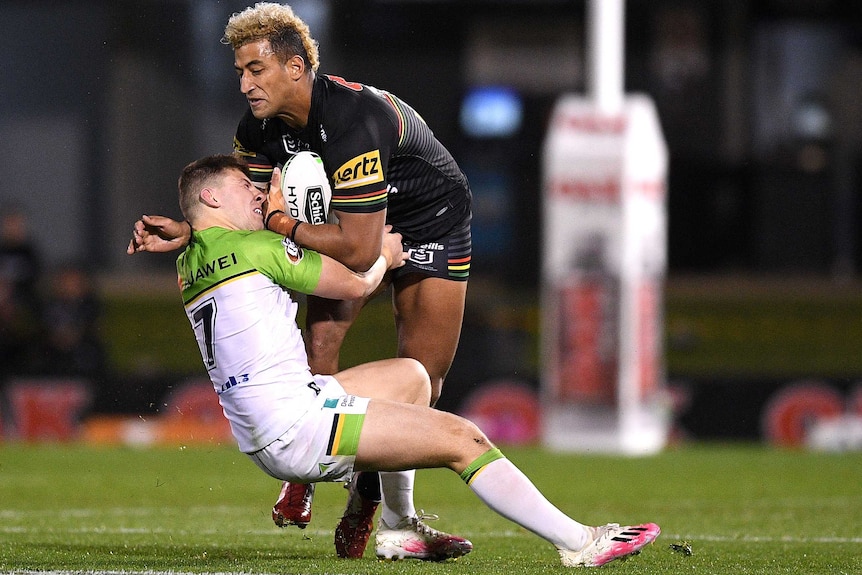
x=306, y=188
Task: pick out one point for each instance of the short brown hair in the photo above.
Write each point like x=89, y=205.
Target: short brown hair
x=288, y=35
x=200, y=173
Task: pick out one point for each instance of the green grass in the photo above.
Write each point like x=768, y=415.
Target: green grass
x=205, y=509
x=713, y=328
x=762, y=331
x=151, y=334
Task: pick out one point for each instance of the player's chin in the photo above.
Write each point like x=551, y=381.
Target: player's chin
x=258, y=109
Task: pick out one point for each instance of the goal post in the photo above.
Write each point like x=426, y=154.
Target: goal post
x=604, y=258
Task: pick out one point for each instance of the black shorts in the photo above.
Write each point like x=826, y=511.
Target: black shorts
x=447, y=257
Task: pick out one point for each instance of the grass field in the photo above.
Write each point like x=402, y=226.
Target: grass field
x=714, y=327
x=744, y=509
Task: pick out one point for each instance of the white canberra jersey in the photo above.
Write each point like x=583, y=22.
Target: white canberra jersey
x=235, y=287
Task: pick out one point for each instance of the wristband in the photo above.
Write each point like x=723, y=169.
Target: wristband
x=269, y=217
x=182, y=239
x=293, y=231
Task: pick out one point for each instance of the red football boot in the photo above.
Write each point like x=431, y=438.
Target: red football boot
x=294, y=505
x=354, y=529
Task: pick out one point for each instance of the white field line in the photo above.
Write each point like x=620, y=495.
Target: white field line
x=669, y=537
x=758, y=539
x=124, y=511
x=16, y=516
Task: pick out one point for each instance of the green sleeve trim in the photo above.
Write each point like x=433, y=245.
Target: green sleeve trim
x=479, y=464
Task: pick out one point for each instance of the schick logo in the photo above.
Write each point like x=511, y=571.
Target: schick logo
x=315, y=211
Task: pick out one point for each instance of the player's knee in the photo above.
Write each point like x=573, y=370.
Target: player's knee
x=326, y=335
x=476, y=435
x=323, y=346
x=471, y=442
x=422, y=381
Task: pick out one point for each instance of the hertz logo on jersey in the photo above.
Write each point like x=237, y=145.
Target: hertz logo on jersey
x=359, y=171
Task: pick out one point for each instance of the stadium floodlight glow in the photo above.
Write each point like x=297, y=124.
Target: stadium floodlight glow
x=491, y=112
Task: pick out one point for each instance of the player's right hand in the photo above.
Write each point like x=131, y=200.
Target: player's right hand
x=158, y=234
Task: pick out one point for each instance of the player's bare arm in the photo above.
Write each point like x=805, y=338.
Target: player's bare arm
x=339, y=282
x=354, y=240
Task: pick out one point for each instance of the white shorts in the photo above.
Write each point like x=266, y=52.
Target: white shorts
x=322, y=445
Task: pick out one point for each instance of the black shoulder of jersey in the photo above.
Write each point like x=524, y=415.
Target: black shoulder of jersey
x=254, y=134
x=347, y=106
x=251, y=133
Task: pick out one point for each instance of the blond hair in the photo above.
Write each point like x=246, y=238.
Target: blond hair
x=287, y=34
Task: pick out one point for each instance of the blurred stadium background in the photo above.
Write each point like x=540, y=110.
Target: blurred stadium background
x=102, y=103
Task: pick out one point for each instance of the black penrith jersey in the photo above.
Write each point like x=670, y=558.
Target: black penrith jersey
x=378, y=153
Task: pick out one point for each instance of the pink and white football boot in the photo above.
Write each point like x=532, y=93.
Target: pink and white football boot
x=610, y=542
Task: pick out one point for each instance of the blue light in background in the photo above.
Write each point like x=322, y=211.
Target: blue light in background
x=491, y=112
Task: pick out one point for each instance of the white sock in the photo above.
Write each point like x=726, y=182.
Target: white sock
x=397, y=490
x=506, y=490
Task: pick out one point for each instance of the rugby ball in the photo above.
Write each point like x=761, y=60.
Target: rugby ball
x=306, y=188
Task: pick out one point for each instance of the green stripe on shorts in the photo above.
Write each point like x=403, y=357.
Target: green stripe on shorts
x=344, y=438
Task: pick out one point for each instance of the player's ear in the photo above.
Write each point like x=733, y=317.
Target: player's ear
x=295, y=66
x=208, y=198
